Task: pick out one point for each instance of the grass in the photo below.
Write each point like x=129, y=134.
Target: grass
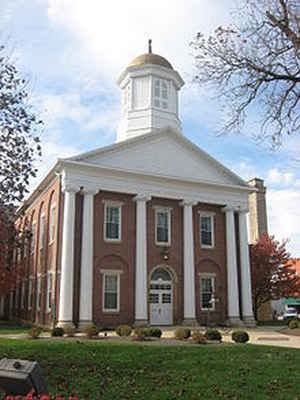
x=98, y=370
x=7, y=328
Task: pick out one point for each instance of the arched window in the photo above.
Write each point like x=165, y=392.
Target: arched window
x=161, y=274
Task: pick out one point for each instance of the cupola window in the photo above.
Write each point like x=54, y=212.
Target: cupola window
x=161, y=93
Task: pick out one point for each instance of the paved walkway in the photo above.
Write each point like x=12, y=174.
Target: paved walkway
x=262, y=336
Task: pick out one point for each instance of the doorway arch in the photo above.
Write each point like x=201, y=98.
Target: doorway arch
x=161, y=297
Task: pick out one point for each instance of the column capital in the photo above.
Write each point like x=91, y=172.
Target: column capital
x=243, y=210
x=90, y=190
x=67, y=187
x=142, y=197
x=189, y=202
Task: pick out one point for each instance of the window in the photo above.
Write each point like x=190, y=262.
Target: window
x=33, y=235
x=161, y=94
x=112, y=226
x=23, y=296
x=52, y=223
x=49, y=292
x=111, y=292
x=42, y=231
x=17, y=299
x=207, y=230
x=30, y=294
x=207, y=290
x=39, y=294
x=163, y=226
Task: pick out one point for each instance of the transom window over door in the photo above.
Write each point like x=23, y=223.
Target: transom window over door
x=111, y=292
x=161, y=93
x=163, y=226
x=112, y=226
x=207, y=230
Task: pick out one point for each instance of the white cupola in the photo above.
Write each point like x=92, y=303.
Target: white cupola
x=150, y=89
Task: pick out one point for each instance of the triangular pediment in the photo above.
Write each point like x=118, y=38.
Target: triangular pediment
x=166, y=153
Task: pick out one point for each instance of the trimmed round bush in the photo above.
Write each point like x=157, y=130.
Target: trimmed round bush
x=57, y=332
x=240, y=336
x=293, y=324
x=124, y=330
x=213, y=334
x=70, y=332
x=35, y=332
x=154, y=332
x=182, y=333
x=91, y=331
x=198, y=337
x=140, y=334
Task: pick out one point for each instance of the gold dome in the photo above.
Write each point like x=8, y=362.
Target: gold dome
x=150, y=58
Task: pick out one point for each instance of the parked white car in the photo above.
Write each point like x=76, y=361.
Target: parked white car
x=290, y=313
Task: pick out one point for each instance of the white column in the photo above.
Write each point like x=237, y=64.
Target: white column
x=232, y=275
x=65, y=316
x=141, y=309
x=189, y=264
x=247, y=310
x=87, y=255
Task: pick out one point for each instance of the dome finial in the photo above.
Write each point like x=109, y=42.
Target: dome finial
x=149, y=46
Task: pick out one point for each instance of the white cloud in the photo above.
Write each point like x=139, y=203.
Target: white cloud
x=276, y=177
x=284, y=216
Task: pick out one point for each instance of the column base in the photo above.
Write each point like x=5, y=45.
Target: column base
x=249, y=321
x=82, y=325
x=65, y=324
x=140, y=323
x=234, y=321
x=190, y=322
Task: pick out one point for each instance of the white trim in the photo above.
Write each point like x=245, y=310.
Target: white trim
x=42, y=239
x=33, y=237
x=51, y=239
x=49, y=290
x=211, y=215
x=111, y=204
x=30, y=292
x=111, y=273
x=38, y=293
x=168, y=211
x=211, y=276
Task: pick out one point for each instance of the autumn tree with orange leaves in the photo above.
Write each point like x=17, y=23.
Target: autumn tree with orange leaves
x=272, y=272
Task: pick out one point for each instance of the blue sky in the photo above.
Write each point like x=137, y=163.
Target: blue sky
x=73, y=51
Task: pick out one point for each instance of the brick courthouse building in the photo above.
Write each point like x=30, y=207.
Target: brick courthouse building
x=149, y=230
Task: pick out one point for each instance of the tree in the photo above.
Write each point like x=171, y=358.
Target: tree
x=272, y=272
x=254, y=66
x=19, y=149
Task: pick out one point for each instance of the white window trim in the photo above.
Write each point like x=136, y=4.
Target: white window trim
x=213, y=277
x=33, y=238
x=49, y=290
x=168, y=211
x=41, y=242
x=116, y=204
x=51, y=240
x=30, y=289
x=38, y=293
x=212, y=218
x=104, y=274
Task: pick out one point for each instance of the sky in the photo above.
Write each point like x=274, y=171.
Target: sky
x=73, y=51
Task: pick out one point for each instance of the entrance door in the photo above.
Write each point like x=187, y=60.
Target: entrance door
x=161, y=298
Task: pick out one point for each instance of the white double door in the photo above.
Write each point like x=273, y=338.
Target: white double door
x=161, y=303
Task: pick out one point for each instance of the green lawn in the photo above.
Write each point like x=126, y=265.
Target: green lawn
x=99, y=370
x=7, y=327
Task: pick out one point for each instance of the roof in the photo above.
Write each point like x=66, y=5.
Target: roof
x=150, y=58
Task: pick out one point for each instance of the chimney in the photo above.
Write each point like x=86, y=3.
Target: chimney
x=258, y=223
